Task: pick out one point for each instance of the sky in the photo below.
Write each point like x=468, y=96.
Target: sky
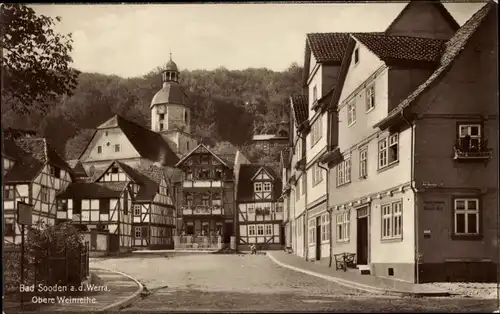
x=131, y=40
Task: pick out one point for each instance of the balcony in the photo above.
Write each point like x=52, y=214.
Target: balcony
x=468, y=151
x=202, y=183
x=202, y=210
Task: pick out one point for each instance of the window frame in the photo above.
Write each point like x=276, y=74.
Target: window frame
x=252, y=230
x=257, y=187
x=466, y=212
x=363, y=163
x=343, y=226
x=470, y=125
x=99, y=149
x=351, y=112
x=11, y=190
x=137, y=210
x=370, y=97
x=344, y=169
x=260, y=230
x=356, y=56
x=135, y=232
x=325, y=227
x=269, y=227
x=384, y=150
x=389, y=215
x=311, y=228
x=117, y=148
x=264, y=187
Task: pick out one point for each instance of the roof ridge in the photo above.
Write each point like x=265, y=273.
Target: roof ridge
x=375, y=34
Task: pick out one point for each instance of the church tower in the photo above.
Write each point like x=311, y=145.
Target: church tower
x=171, y=111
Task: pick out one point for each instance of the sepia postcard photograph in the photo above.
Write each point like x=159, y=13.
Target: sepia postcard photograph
x=276, y=156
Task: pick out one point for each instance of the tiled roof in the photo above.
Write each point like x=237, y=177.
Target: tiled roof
x=149, y=144
x=328, y=47
x=80, y=190
x=300, y=108
x=453, y=48
x=245, y=184
x=11, y=150
x=43, y=152
x=24, y=170
x=225, y=151
x=403, y=48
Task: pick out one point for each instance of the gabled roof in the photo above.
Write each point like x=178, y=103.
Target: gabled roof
x=225, y=151
x=24, y=170
x=262, y=169
x=149, y=144
x=43, y=152
x=327, y=47
x=223, y=161
x=89, y=190
x=245, y=183
x=77, y=167
x=437, y=4
x=11, y=150
x=402, y=48
x=453, y=49
x=300, y=108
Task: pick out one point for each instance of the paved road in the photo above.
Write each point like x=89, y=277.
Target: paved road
x=230, y=283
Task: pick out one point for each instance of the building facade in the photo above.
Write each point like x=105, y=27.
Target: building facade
x=260, y=208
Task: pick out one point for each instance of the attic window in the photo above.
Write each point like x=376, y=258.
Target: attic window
x=99, y=149
x=117, y=148
x=114, y=170
x=356, y=56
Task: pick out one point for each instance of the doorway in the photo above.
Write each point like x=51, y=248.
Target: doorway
x=318, y=238
x=362, y=236
x=228, y=232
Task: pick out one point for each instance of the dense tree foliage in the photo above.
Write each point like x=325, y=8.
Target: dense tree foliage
x=35, y=60
x=227, y=105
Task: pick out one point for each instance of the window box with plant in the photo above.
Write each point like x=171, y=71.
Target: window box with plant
x=471, y=144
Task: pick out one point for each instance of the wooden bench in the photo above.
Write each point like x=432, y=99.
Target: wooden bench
x=289, y=249
x=345, y=260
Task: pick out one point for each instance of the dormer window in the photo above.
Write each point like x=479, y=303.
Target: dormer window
x=114, y=170
x=267, y=186
x=161, y=116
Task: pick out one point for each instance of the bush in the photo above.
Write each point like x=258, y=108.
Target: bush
x=53, y=255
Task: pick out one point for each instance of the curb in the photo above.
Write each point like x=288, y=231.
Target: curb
x=120, y=304
x=358, y=286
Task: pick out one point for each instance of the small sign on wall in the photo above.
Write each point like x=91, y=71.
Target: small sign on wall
x=434, y=205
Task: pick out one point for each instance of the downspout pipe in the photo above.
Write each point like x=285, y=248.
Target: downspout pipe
x=305, y=224
x=414, y=190
x=328, y=210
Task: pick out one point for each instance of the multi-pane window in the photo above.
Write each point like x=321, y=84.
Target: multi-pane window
x=117, y=148
x=257, y=186
x=351, y=113
x=388, y=151
x=343, y=226
x=137, y=232
x=251, y=230
x=137, y=210
x=269, y=230
x=344, y=171
x=267, y=187
x=325, y=227
x=312, y=231
x=466, y=213
x=44, y=194
x=260, y=230
x=317, y=174
x=9, y=192
x=392, y=224
x=99, y=149
x=316, y=131
x=469, y=136
x=363, y=163
x=370, y=97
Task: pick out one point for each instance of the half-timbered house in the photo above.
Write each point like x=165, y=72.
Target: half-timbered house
x=132, y=204
x=33, y=173
x=260, y=213
x=206, y=193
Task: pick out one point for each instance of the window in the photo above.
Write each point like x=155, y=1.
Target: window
x=251, y=230
x=10, y=230
x=260, y=230
x=370, y=97
x=297, y=191
x=9, y=192
x=317, y=174
x=312, y=231
x=162, y=116
x=205, y=200
x=44, y=194
x=298, y=149
x=343, y=226
x=99, y=149
x=351, y=113
x=315, y=94
x=388, y=151
x=104, y=206
x=161, y=126
x=363, y=163
x=316, y=131
x=466, y=212
x=356, y=56
x=137, y=210
x=257, y=187
x=469, y=136
x=269, y=230
x=325, y=227
x=117, y=148
x=137, y=232
x=267, y=187
x=344, y=171
x=303, y=182
x=185, y=116
x=392, y=224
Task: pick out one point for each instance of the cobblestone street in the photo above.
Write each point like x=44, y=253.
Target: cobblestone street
x=209, y=282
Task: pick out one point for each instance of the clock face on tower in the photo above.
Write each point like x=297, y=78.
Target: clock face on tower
x=161, y=109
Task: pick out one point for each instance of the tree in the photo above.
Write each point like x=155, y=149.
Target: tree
x=35, y=61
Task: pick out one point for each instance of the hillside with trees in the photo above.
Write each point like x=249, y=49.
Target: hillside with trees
x=228, y=105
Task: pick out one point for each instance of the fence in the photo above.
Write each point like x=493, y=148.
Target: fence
x=45, y=266
x=197, y=242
